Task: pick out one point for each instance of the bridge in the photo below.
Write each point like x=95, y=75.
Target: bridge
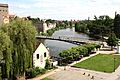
x=73, y=40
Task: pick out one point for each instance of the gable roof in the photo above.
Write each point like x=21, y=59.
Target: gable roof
x=41, y=48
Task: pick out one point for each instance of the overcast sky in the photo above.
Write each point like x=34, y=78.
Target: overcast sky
x=63, y=9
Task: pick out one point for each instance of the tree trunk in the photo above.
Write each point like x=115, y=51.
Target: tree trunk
x=111, y=48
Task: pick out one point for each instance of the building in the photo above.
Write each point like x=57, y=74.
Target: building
x=4, y=17
x=12, y=17
x=43, y=27
x=40, y=56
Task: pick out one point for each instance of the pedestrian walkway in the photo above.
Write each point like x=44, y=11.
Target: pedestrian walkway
x=72, y=74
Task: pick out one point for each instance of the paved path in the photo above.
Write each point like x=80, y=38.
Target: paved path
x=72, y=74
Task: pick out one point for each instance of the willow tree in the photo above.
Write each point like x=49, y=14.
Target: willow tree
x=22, y=35
x=5, y=53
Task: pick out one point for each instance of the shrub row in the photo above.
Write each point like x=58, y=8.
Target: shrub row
x=33, y=72
x=75, y=53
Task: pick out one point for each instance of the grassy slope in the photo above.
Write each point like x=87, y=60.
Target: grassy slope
x=100, y=62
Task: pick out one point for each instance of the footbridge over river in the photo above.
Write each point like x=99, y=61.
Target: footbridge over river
x=73, y=40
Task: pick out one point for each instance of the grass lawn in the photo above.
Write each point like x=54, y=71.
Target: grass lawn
x=47, y=78
x=100, y=62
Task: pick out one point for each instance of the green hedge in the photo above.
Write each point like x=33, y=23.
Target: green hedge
x=75, y=53
x=33, y=72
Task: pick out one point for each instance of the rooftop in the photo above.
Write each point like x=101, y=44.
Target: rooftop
x=3, y=5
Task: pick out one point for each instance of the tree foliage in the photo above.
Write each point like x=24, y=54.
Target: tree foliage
x=20, y=36
x=117, y=25
x=75, y=52
x=48, y=65
x=112, y=40
x=5, y=52
x=100, y=26
x=81, y=27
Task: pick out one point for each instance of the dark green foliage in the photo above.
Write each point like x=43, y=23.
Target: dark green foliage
x=112, y=40
x=33, y=72
x=100, y=26
x=76, y=52
x=51, y=31
x=117, y=25
x=48, y=65
x=50, y=21
x=81, y=27
x=43, y=34
x=34, y=20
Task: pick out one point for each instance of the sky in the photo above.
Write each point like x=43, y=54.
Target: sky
x=63, y=9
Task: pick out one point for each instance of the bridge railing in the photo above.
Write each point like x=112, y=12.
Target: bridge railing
x=77, y=39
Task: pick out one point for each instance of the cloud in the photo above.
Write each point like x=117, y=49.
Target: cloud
x=20, y=6
x=64, y=9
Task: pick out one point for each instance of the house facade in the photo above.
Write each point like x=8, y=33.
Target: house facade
x=47, y=26
x=40, y=56
x=4, y=16
x=43, y=27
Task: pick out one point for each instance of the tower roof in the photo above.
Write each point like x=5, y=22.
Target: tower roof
x=3, y=5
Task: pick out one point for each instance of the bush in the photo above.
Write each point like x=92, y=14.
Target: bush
x=74, y=53
x=33, y=72
x=48, y=65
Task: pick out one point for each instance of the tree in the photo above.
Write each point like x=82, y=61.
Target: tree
x=77, y=26
x=117, y=25
x=100, y=26
x=112, y=40
x=5, y=53
x=22, y=36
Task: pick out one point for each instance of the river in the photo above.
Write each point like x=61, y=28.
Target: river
x=55, y=47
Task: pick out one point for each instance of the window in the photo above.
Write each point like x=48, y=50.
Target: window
x=37, y=56
x=45, y=54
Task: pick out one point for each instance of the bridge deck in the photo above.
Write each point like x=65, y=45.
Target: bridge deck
x=69, y=39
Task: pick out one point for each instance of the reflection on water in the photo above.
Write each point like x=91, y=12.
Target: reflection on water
x=56, y=47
